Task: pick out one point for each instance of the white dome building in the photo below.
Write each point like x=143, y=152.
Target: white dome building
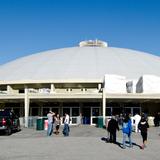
x=81, y=63
x=72, y=80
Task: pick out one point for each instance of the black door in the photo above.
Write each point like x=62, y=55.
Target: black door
x=86, y=113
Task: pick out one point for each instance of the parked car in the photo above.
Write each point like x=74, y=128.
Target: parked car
x=9, y=122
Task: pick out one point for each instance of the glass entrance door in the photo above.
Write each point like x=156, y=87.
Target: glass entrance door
x=74, y=114
x=95, y=113
x=86, y=113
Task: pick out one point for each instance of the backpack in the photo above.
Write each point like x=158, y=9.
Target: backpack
x=126, y=128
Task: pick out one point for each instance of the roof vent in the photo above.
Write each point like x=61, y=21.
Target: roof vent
x=93, y=43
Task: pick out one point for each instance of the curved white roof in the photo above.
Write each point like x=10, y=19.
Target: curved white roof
x=84, y=63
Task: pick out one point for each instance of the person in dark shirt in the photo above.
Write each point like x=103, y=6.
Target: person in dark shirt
x=112, y=128
x=143, y=127
x=157, y=120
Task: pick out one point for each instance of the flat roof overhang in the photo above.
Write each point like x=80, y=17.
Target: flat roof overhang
x=133, y=97
x=130, y=97
x=66, y=96
x=25, y=82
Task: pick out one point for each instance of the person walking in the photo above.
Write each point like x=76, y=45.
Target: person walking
x=127, y=131
x=112, y=129
x=143, y=127
x=157, y=119
x=50, y=116
x=79, y=119
x=66, y=128
x=137, y=119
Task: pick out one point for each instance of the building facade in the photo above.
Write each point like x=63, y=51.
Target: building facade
x=72, y=80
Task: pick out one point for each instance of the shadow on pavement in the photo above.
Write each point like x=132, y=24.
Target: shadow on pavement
x=106, y=140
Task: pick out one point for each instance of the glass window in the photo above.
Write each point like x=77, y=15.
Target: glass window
x=55, y=110
x=127, y=110
x=75, y=111
x=86, y=112
x=66, y=110
x=116, y=111
x=95, y=111
x=95, y=120
x=136, y=110
x=108, y=111
x=45, y=111
x=35, y=111
x=74, y=120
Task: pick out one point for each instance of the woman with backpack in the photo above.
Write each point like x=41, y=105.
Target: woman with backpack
x=143, y=127
x=127, y=130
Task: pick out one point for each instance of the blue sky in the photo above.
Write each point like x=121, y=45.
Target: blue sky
x=31, y=26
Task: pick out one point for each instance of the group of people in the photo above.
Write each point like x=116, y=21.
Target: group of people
x=113, y=127
x=54, y=122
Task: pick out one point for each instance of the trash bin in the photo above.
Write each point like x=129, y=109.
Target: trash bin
x=40, y=123
x=100, y=122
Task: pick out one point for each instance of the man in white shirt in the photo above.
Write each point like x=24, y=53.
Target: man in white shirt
x=137, y=119
x=66, y=125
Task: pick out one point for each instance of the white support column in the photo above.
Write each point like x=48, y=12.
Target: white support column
x=104, y=106
x=26, y=107
x=52, y=88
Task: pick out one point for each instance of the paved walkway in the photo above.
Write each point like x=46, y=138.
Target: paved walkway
x=84, y=143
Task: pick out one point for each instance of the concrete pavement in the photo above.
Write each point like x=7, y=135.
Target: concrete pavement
x=84, y=143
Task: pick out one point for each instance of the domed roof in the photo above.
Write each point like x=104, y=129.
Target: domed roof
x=81, y=63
